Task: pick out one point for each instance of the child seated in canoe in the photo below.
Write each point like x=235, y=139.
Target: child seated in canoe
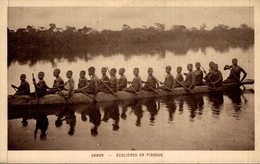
x=169, y=81
x=122, y=81
x=104, y=81
x=83, y=82
x=198, y=75
x=92, y=87
x=179, y=77
x=190, y=78
x=24, y=88
x=151, y=84
x=216, y=77
x=58, y=83
x=207, y=78
x=40, y=87
x=113, y=80
x=211, y=65
x=136, y=84
x=69, y=86
x=112, y=86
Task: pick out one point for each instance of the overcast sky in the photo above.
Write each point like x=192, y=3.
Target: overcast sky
x=114, y=17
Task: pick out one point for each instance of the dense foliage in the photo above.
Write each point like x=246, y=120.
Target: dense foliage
x=32, y=44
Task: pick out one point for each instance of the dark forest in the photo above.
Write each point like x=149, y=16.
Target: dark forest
x=33, y=44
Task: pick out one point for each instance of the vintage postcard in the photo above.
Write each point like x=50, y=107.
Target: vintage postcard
x=129, y=81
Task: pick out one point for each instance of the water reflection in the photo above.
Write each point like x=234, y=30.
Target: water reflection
x=154, y=59
x=128, y=50
x=180, y=105
x=152, y=108
x=189, y=107
x=42, y=123
x=124, y=112
x=94, y=118
x=93, y=112
x=67, y=115
x=111, y=110
x=171, y=106
x=195, y=105
x=235, y=97
x=136, y=107
x=216, y=99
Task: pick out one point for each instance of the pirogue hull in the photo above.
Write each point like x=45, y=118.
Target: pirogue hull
x=103, y=97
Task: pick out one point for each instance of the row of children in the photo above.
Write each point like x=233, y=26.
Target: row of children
x=112, y=85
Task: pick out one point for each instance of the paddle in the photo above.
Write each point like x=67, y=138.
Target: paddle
x=61, y=94
x=89, y=96
x=165, y=85
x=238, y=80
x=109, y=89
x=240, y=83
x=209, y=78
x=184, y=86
x=159, y=106
x=135, y=90
x=35, y=133
x=35, y=87
x=150, y=87
x=14, y=87
x=242, y=94
x=107, y=69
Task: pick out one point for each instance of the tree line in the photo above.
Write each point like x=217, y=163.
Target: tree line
x=31, y=42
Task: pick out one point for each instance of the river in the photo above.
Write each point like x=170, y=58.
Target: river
x=195, y=122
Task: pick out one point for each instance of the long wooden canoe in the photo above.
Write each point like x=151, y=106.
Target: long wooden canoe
x=77, y=98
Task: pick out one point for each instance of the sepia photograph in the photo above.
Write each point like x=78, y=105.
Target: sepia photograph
x=131, y=78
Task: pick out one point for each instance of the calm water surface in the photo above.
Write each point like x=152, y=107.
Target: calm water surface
x=201, y=121
x=156, y=60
